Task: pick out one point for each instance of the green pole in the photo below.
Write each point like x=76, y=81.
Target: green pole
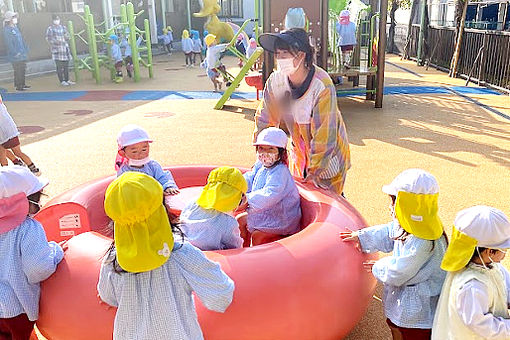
x=123, y=16
x=421, y=37
x=257, y=20
x=132, y=41
x=149, y=47
x=93, y=49
x=163, y=12
x=72, y=46
x=188, y=8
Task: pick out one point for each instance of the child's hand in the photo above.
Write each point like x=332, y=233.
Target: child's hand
x=368, y=265
x=351, y=236
x=63, y=245
x=171, y=191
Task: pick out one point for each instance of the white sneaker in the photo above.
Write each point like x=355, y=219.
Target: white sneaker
x=70, y=82
x=64, y=83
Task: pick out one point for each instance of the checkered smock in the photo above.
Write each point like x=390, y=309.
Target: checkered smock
x=210, y=229
x=411, y=276
x=158, y=304
x=319, y=148
x=57, y=37
x=26, y=258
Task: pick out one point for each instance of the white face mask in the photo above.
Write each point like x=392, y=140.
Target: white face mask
x=267, y=159
x=15, y=21
x=139, y=162
x=286, y=66
x=56, y=22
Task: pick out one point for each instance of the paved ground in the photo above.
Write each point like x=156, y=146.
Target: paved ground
x=461, y=135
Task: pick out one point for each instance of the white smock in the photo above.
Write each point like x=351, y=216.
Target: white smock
x=8, y=128
x=474, y=304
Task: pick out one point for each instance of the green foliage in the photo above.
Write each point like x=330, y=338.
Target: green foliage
x=336, y=6
x=404, y=4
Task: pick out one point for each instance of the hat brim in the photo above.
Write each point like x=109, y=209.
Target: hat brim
x=136, y=141
x=41, y=184
x=390, y=190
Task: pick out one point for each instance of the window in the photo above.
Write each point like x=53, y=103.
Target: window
x=231, y=8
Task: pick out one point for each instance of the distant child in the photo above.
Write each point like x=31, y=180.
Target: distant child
x=9, y=140
x=346, y=30
x=411, y=276
x=26, y=256
x=208, y=223
x=116, y=57
x=212, y=62
x=273, y=202
x=197, y=46
x=252, y=46
x=187, y=48
x=167, y=38
x=128, y=55
x=476, y=293
x=241, y=48
x=133, y=155
x=204, y=45
x=150, y=277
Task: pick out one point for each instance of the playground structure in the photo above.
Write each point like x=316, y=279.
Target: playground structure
x=94, y=61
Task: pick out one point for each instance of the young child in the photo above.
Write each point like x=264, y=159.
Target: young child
x=241, y=48
x=212, y=61
x=411, y=276
x=116, y=57
x=150, y=277
x=26, y=256
x=273, y=202
x=197, y=46
x=252, y=46
x=133, y=155
x=346, y=30
x=187, y=48
x=208, y=223
x=476, y=293
x=9, y=141
x=167, y=40
x=128, y=55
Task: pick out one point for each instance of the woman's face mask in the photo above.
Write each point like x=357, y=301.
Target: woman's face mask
x=286, y=66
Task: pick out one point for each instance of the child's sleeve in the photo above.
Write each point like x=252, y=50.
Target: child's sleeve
x=164, y=177
x=272, y=192
x=472, y=306
x=232, y=238
x=39, y=257
x=376, y=238
x=212, y=286
x=399, y=270
x=250, y=175
x=108, y=281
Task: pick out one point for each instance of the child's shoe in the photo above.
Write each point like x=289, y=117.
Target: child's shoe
x=18, y=161
x=70, y=82
x=64, y=83
x=35, y=170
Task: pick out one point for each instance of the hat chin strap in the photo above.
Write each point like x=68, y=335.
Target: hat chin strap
x=480, y=257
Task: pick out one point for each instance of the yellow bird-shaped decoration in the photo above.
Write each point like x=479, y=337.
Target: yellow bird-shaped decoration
x=221, y=30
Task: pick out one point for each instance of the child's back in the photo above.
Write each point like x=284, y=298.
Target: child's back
x=209, y=229
x=168, y=311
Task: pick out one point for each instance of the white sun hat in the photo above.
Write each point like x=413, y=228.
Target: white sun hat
x=272, y=136
x=488, y=225
x=132, y=134
x=9, y=15
x=15, y=179
x=414, y=181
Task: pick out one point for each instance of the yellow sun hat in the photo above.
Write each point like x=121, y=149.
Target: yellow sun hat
x=185, y=34
x=417, y=206
x=478, y=226
x=142, y=232
x=224, y=189
x=209, y=39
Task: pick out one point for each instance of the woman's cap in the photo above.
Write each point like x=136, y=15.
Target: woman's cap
x=478, y=226
x=295, y=18
x=272, y=136
x=224, y=189
x=296, y=38
x=142, y=232
x=132, y=134
x=414, y=181
x=9, y=15
x=15, y=179
x=209, y=39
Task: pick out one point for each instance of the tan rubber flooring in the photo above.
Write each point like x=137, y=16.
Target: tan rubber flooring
x=464, y=145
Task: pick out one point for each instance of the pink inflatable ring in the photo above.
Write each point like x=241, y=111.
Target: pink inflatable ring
x=310, y=285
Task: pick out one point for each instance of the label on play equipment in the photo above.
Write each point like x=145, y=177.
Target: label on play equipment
x=71, y=221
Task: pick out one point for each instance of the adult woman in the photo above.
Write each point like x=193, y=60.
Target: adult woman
x=301, y=98
x=16, y=49
x=57, y=37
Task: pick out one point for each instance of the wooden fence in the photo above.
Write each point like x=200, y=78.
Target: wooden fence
x=484, y=55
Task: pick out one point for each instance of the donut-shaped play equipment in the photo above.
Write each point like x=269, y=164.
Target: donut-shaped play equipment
x=310, y=285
